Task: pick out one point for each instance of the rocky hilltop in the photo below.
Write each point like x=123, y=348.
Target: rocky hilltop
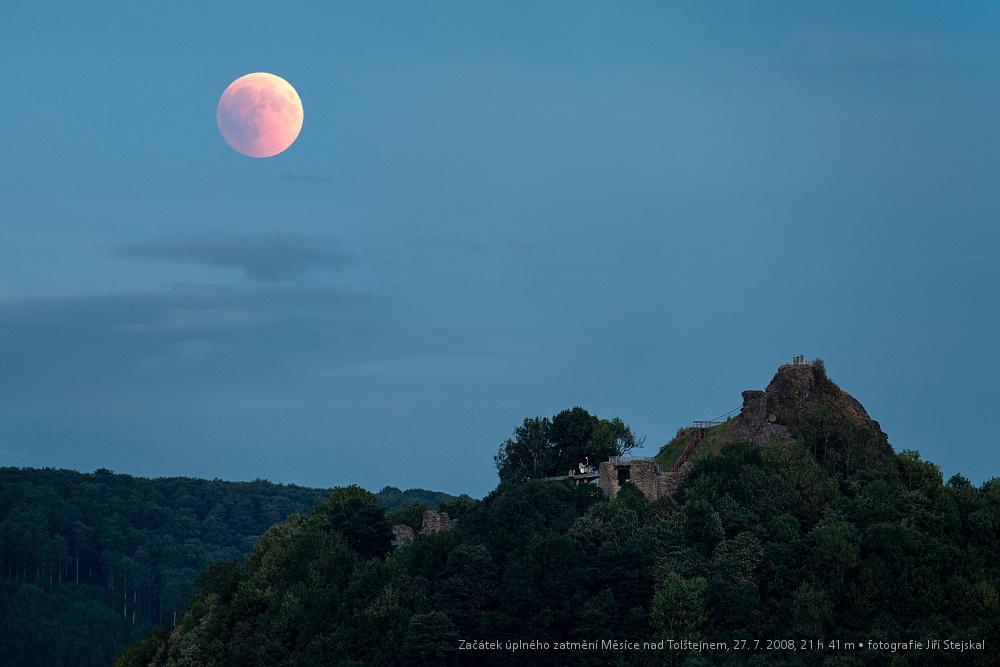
x=802, y=402
x=799, y=403
x=818, y=530
x=785, y=408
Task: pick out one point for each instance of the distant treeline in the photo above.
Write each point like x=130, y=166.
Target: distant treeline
x=92, y=562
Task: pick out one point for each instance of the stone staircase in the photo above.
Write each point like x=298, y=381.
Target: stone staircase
x=669, y=482
x=672, y=480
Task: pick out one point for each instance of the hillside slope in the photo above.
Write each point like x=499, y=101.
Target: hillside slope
x=92, y=562
x=799, y=403
x=792, y=537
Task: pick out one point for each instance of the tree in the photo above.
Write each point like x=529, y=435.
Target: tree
x=702, y=525
x=353, y=512
x=467, y=584
x=527, y=454
x=544, y=447
x=811, y=611
x=624, y=440
x=679, y=607
x=411, y=514
x=429, y=639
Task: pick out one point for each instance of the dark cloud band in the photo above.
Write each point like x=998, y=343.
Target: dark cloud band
x=267, y=257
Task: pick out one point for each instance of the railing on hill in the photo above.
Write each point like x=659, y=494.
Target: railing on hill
x=623, y=460
x=701, y=425
x=721, y=419
x=687, y=451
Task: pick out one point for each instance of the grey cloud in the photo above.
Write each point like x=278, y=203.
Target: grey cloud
x=253, y=332
x=267, y=257
x=198, y=339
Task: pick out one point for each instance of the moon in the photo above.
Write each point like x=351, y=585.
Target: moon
x=259, y=114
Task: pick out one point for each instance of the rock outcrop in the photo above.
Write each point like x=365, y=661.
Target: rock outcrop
x=755, y=422
x=802, y=400
x=435, y=522
x=401, y=535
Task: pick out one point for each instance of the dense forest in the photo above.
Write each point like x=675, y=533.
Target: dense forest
x=818, y=532
x=92, y=562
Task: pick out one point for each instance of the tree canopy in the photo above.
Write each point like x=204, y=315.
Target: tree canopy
x=92, y=562
x=543, y=447
x=759, y=542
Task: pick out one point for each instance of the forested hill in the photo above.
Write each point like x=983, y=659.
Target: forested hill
x=801, y=524
x=92, y=562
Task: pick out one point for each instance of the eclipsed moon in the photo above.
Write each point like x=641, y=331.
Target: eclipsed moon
x=259, y=114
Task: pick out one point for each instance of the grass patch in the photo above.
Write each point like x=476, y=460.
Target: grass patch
x=669, y=452
x=714, y=440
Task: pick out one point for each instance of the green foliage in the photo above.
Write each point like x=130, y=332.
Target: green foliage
x=766, y=542
x=353, y=513
x=389, y=498
x=411, y=514
x=679, y=607
x=712, y=441
x=429, y=639
x=543, y=447
x=468, y=583
x=458, y=507
x=819, y=371
x=672, y=450
x=794, y=539
x=90, y=563
x=811, y=611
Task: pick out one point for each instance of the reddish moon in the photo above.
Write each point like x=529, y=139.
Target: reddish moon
x=259, y=114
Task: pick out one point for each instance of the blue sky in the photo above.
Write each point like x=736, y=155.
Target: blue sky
x=494, y=210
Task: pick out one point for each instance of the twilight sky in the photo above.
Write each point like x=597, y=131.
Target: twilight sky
x=494, y=210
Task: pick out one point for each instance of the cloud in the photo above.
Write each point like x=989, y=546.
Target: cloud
x=264, y=331
x=175, y=345
x=270, y=256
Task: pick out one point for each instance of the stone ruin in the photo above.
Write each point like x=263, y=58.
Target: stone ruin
x=436, y=522
x=401, y=535
x=644, y=473
x=779, y=412
x=433, y=522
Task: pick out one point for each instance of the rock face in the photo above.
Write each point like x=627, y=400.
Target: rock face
x=435, y=522
x=799, y=402
x=401, y=535
x=755, y=424
x=797, y=397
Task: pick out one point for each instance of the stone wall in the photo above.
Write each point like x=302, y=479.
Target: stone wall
x=644, y=474
x=668, y=483
x=435, y=522
x=401, y=535
x=608, y=479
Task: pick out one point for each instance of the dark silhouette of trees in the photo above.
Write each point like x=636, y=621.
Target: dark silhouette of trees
x=90, y=563
x=759, y=542
x=543, y=447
